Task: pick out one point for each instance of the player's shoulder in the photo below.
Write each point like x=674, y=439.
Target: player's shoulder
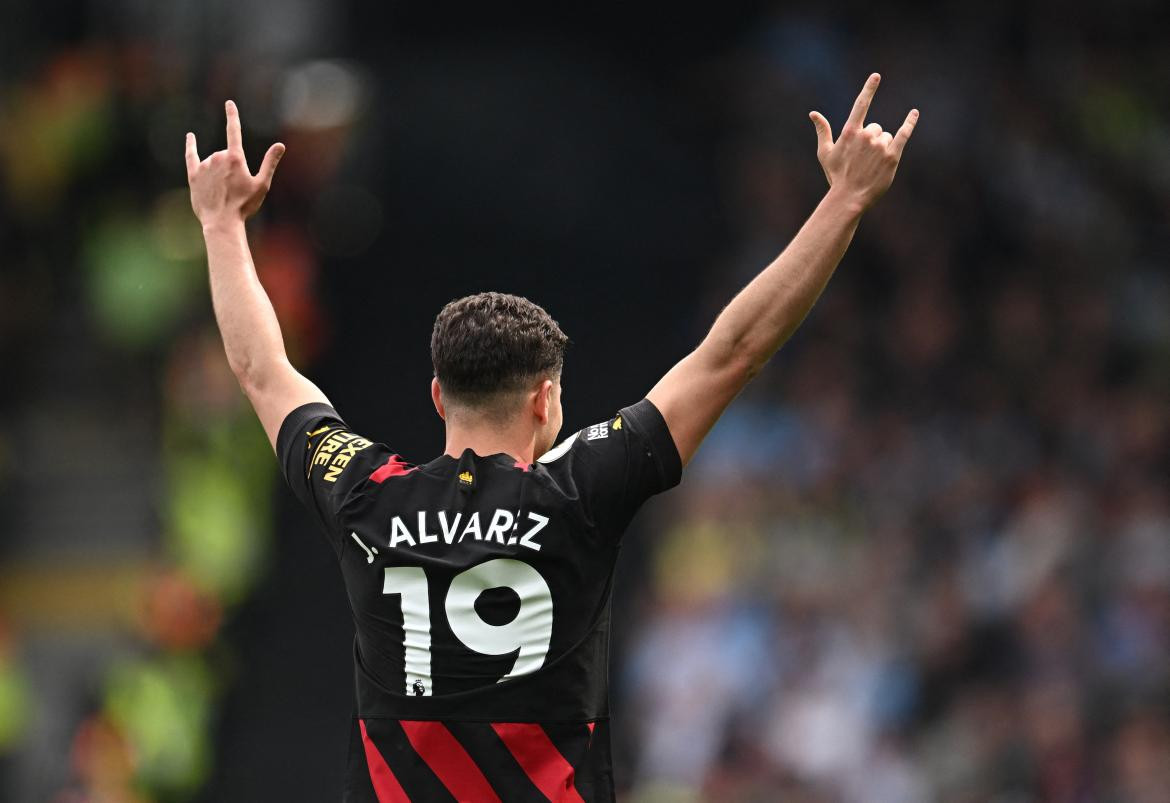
x=633, y=421
x=581, y=442
x=599, y=449
x=634, y=446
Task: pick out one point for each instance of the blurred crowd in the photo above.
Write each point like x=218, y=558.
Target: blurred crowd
x=137, y=481
x=927, y=555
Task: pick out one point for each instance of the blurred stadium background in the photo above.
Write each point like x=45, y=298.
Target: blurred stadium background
x=925, y=557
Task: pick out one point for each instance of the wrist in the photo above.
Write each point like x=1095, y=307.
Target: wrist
x=851, y=202
x=222, y=224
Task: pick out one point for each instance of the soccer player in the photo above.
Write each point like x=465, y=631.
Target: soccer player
x=480, y=581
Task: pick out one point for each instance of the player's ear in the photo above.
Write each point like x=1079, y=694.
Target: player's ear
x=542, y=401
x=437, y=398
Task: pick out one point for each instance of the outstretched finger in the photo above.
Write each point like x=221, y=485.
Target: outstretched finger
x=861, y=105
x=191, y=155
x=904, y=132
x=235, y=137
x=824, y=130
x=271, y=160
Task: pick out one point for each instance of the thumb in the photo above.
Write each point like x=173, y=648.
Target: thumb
x=824, y=131
x=268, y=166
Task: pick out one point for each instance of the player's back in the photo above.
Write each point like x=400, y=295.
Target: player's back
x=480, y=589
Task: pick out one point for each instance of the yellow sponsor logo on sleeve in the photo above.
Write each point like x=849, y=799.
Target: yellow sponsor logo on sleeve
x=335, y=452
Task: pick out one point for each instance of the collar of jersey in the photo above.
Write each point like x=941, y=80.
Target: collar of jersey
x=501, y=457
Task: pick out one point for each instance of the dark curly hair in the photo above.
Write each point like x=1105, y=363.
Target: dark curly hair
x=489, y=344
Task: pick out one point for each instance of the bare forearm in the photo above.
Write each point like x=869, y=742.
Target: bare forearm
x=766, y=312
x=247, y=322
x=695, y=392
x=859, y=166
x=223, y=194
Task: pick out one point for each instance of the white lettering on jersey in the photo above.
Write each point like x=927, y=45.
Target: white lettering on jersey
x=597, y=431
x=448, y=534
x=526, y=539
x=503, y=529
x=370, y=551
x=472, y=527
x=502, y=521
x=399, y=533
x=423, y=536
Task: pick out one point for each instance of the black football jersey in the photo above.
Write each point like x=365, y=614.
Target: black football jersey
x=480, y=588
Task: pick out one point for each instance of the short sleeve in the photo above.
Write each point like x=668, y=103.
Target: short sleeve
x=323, y=460
x=616, y=465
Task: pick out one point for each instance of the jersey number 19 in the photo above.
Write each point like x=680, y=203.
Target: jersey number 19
x=528, y=634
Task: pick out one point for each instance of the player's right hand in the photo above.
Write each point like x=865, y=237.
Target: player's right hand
x=863, y=160
x=222, y=187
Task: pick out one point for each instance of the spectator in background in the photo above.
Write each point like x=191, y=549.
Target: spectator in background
x=930, y=559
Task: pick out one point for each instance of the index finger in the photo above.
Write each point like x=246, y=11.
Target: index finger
x=861, y=105
x=235, y=137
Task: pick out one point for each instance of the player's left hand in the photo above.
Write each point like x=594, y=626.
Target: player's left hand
x=862, y=161
x=222, y=187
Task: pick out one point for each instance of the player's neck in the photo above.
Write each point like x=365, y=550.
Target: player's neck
x=516, y=441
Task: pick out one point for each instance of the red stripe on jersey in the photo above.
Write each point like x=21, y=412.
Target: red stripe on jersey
x=386, y=786
x=540, y=759
x=393, y=467
x=448, y=760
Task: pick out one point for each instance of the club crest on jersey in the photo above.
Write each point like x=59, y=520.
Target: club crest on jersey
x=466, y=478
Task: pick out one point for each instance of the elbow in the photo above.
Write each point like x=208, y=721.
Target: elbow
x=244, y=369
x=248, y=381
x=738, y=361
x=241, y=368
x=747, y=355
x=253, y=375
x=745, y=365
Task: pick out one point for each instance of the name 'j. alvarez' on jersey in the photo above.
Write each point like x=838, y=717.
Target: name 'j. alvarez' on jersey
x=450, y=529
x=480, y=589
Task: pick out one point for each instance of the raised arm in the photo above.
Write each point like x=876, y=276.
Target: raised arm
x=224, y=194
x=860, y=166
